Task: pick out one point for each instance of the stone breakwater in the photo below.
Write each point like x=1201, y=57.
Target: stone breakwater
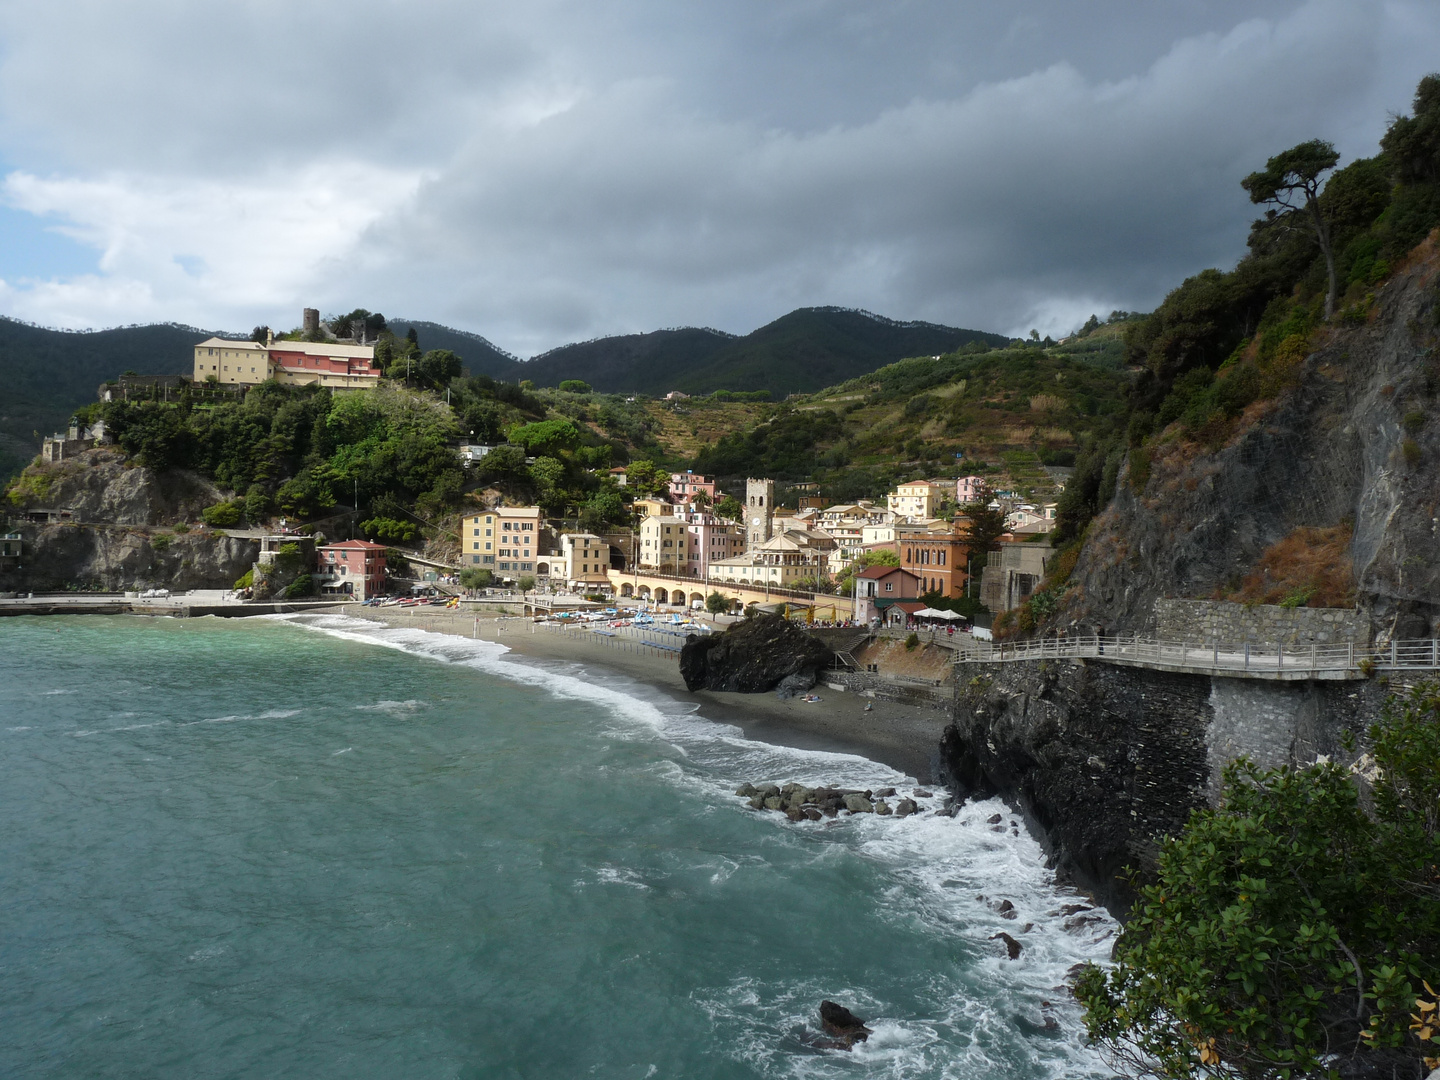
x=801, y=803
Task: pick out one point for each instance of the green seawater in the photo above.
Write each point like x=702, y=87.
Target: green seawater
x=321, y=848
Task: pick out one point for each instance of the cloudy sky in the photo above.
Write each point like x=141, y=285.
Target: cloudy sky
x=561, y=169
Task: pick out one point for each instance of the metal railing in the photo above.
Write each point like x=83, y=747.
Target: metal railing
x=1419, y=654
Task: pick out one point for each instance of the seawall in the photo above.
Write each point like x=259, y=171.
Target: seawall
x=1104, y=760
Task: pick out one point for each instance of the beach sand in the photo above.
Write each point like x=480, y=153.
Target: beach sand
x=902, y=736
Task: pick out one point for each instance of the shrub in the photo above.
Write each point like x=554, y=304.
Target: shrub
x=476, y=577
x=247, y=580
x=1288, y=932
x=912, y=641
x=182, y=528
x=301, y=586
x=1410, y=451
x=225, y=515
x=160, y=543
x=1413, y=422
x=575, y=386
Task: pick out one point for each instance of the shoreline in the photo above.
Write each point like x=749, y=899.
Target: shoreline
x=904, y=737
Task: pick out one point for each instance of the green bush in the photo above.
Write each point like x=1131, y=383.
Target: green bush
x=247, y=580
x=301, y=586
x=225, y=515
x=574, y=386
x=1289, y=931
x=476, y=577
x=1410, y=451
x=160, y=543
x=912, y=641
x=182, y=528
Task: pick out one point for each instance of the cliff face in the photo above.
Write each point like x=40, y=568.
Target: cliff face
x=1356, y=439
x=102, y=486
x=116, y=540
x=1106, y=759
x=116, y=558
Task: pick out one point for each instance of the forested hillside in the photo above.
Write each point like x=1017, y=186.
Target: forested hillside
x=48, y=374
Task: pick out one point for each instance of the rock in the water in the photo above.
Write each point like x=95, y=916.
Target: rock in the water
x=994, y=819
x=883, y=808
x=774, y=803
x=843, y=1024
x=757, y=803
x=770, y=791
x=1011, y=945
x=811, y=813
x=794, y=813
x=858, y=804
x=752, y=656
x=1006, y=909
x=921, y=793
x=746, y=790
x=885, y=793
x=905, y=807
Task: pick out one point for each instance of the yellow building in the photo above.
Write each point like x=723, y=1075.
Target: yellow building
x=664, y=543
x=917, y=501
x=295, y=363
x=507, y=539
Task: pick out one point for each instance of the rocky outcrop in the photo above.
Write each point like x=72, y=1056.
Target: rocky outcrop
x=753, y=656
x=1104, y=760
x=113, y=559
x=103, y=486
x=1356, y=439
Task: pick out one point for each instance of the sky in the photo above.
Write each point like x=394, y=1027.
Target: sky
x=559, y=170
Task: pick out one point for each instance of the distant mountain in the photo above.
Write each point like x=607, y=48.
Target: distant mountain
x=804, y=351
x=812, y=348
x=47, y=374
x=629, y=363
x=480, y=356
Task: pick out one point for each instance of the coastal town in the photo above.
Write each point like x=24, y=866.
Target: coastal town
x=687, y=545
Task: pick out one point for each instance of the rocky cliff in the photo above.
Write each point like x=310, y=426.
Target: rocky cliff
x=108, y=558
x=103, y=485
x=1105, y=759
x=117, y=536
x=1355, y=441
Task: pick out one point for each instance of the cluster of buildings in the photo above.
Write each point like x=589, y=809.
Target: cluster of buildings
x=679, y=535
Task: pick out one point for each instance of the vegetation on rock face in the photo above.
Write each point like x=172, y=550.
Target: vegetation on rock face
x=1290, y=932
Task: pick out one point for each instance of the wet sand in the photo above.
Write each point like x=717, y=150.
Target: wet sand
x=902, y=736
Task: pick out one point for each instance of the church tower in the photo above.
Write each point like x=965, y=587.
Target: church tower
x=759, y=512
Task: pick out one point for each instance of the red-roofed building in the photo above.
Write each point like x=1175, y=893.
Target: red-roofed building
x=353, y=568
x=877, y=587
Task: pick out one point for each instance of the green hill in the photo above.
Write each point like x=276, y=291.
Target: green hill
x=48, y=374
x=479, y=355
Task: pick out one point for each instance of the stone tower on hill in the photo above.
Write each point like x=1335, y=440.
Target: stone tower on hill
x=759, y=512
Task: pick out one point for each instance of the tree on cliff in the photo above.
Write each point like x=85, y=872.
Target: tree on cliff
x=1290, y=931
x=1291, y=180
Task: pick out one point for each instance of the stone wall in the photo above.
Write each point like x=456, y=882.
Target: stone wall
x=1205, y=622
x=1104, y=759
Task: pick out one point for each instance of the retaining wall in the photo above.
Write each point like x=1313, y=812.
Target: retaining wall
x=1206, y=622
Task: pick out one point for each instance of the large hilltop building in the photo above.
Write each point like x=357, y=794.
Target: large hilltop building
x=297, y=363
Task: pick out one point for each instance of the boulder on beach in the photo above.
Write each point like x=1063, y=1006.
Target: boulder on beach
x=754, y=656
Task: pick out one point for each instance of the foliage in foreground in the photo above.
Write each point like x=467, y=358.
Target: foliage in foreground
x=1290, y=931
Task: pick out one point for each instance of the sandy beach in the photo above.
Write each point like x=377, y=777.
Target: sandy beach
x=901, y=736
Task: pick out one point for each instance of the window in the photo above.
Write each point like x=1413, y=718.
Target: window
x=477, y=532
x=477, y=545
x=889, y=586
x=487, y=542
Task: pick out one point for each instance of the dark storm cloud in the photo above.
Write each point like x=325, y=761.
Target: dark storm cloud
x=567, y=170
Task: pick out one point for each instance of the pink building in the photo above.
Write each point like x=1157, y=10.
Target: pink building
x=968, y=489
x=684, y=486
x=353, y=568
x=708, y=538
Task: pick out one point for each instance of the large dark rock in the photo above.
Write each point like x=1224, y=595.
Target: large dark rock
x=752, y=657
x=840, y=1022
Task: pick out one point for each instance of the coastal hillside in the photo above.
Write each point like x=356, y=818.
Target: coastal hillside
x=479, y=355
x=48, y=374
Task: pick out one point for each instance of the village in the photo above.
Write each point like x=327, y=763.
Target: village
x=912, y=559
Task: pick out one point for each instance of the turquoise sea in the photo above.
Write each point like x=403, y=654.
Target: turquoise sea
x=318, y=848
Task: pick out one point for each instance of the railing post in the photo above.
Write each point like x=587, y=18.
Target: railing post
x=1434, y=653
x=1247, y=656
x=1392, y=652
x=1280, y=657
x=1350, y=653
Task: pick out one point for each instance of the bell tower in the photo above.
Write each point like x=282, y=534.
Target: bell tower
x=759, y=512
